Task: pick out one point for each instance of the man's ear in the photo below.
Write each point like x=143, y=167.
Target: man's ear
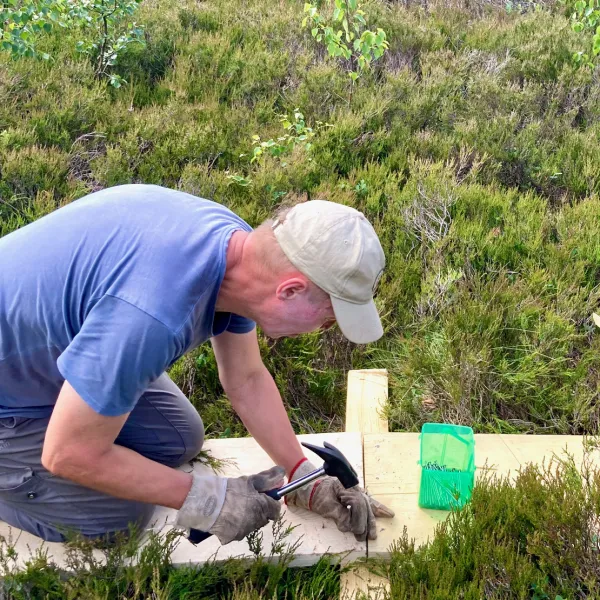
x=289, y=288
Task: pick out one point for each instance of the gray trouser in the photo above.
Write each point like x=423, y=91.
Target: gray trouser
x=163, y=426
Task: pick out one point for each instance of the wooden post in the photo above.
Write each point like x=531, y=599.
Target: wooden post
x=367, y=395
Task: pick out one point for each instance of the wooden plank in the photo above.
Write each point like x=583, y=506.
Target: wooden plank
x=528, y=448
x=316, y=535
x=392, y=475
x=361, y=583
x=366, y=398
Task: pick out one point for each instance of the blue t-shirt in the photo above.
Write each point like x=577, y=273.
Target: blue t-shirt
x=107, y=293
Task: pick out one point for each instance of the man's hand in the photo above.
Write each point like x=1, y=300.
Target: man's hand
x=351, y=509
x=231, y=508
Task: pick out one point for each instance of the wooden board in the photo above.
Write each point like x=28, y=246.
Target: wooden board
x=366, y=397
x=392, y=475
x=316, y=535
x=365, y=401
x=360, y=582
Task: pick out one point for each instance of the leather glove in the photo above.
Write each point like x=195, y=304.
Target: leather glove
x=231, y=508
x=351, y=509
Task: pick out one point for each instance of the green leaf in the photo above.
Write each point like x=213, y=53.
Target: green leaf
x=579, y=5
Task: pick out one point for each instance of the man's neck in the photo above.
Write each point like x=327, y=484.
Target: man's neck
x=239, y=282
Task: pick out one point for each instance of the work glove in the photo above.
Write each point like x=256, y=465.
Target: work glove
x=231, y=508
x=351, y=509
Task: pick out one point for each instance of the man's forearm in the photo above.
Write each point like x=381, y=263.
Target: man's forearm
x=126, y=474
x=260, y=407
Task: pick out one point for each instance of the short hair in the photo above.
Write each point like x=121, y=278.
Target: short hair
x=273, y=259
x=271, y=256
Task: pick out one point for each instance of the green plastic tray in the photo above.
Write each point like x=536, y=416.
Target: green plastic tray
x=447, y=466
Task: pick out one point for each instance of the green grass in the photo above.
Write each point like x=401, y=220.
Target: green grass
x=472, y=146
x=536, y=539
x=124, y=569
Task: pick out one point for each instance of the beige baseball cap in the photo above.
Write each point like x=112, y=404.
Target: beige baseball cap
x=337, y=248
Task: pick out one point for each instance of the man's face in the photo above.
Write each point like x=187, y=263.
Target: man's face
x=295, y=313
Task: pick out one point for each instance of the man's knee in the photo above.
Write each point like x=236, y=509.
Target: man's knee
x=192, y=441
x=164, y=426
x=183, y=445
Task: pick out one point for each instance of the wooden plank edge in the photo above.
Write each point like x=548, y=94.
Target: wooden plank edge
x=366, y=397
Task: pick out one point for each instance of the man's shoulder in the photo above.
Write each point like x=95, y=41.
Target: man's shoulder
x=165, y=199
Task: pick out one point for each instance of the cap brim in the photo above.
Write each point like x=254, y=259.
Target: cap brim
x=360, y=323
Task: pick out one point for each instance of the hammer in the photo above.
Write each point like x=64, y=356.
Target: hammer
x=335, y=464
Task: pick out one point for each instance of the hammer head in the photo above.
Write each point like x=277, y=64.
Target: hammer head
x=335, y=464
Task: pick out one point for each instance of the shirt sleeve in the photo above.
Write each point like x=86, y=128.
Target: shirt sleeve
x=239, y=324
x=118, y=352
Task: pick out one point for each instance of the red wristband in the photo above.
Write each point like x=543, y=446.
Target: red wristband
x=297, y=465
